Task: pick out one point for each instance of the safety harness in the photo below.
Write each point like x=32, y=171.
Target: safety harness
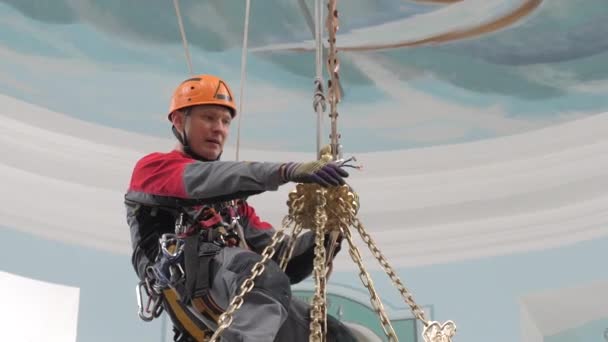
x=198, y=237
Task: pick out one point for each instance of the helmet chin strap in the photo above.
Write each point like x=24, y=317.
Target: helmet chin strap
x=183, y=139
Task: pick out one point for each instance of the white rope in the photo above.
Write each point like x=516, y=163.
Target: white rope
x=183, y=33
x=319, y=101
x=318, y=37
x=243, y=75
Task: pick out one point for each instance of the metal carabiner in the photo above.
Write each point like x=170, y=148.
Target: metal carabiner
x=147, y=314
x=168, y=240
x=235, y=224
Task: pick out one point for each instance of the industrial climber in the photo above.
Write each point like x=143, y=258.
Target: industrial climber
x=196, y=238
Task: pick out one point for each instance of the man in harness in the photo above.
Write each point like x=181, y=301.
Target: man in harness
x=195, y=238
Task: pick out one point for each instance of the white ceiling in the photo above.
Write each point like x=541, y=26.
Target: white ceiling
x=65, y=179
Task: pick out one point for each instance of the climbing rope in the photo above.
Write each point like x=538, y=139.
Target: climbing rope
x=183, y=34
x=243, y=61
x=319, y=104
x=243, y=74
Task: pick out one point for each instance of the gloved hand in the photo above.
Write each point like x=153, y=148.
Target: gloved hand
x=320, y=172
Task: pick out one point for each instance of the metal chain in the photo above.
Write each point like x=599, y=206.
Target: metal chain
x=366, y=279
x=288, y=252
x=405, y=293
x=318, y=312
x=333, y=66
x=433, y=331
x=300, y=212
x=226, y=318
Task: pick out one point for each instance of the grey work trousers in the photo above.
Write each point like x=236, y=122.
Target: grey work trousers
x=269, y=313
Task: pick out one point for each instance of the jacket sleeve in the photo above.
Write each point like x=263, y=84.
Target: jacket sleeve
x=258, y=235
x=162, y=178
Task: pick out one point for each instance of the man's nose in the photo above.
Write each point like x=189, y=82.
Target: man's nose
x=220, y=126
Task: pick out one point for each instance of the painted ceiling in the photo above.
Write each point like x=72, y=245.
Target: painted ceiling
x=415, y=73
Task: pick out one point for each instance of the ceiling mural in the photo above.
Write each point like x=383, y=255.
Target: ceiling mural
x=415, y=73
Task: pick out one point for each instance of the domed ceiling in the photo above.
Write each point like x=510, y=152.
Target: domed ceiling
x=414, y=73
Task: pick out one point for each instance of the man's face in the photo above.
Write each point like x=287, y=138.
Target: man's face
x=207, y=129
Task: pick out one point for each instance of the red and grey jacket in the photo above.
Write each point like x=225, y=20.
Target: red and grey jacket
x=163, y=184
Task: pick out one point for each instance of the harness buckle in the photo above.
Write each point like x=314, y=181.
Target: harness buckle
x=180, y=227
x=172, y=246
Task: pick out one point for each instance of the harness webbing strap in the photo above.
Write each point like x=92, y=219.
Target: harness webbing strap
x=212, y=221
x=191, y=265
x=197, y=264
x=203, y=282
x=183, y=319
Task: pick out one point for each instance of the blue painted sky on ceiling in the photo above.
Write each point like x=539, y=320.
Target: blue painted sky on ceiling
x=523, y=65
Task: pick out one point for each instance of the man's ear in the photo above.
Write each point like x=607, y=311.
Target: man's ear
x=177, y=118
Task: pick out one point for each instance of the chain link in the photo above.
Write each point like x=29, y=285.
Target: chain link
x=302, y=210
x=318, y=312
x=336, y=207
x=291, y=244
x=405, y=293
x=367, y=281
x=333, y=66
x=226, y=318
x=433, y=331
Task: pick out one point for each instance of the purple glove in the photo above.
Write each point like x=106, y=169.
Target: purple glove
x=319, y=172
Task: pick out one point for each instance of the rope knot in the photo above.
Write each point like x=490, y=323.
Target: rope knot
x=319, y=96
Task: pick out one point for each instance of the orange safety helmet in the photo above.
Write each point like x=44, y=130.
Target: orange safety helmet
x=200, y=90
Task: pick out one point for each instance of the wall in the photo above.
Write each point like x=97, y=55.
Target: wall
x=596, y=330
x=108, y=306
x=481, y=296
